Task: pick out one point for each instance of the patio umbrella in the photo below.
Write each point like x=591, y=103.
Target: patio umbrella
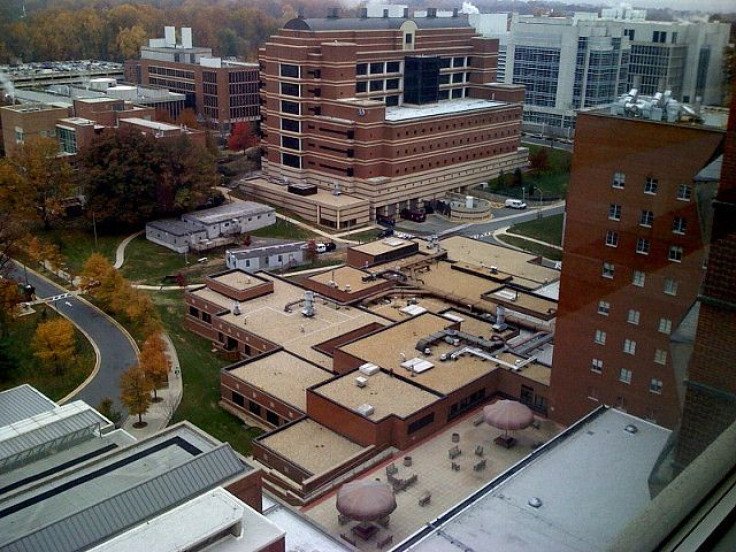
x=366, y=500
x=505, y=414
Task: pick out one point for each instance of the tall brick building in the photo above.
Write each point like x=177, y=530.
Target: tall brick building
x=635, y=248
x=392, y=111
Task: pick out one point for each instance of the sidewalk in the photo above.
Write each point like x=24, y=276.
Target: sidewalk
x=159, y=413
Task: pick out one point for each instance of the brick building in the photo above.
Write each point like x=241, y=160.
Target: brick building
x=389, y=112
x=634, y=250
x=221, y=91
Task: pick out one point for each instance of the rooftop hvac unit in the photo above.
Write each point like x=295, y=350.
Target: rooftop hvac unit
x=360, y=381
x=368, y=369
x=236, y=308
x=308, y=309
x=365, y=410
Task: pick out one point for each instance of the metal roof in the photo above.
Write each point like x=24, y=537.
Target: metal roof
x=26, y=439
x=104, y=520
x=227, y=212
x=22, y=402
x=374, y=23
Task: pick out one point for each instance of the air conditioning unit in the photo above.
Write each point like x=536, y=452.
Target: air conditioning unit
x=365, y=410
x=361, y=381
x=368, y=369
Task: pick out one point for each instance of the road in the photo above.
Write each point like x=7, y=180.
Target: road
x=116, y=351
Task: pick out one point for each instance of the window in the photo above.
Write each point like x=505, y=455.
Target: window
x=291, y=71
x=290, y=142
x=361, y=86
x=642, y=246
x=608, y=270
x=409, y=39
x=624, y=375
x=392, y=84
x=18, y=135
x=638, y=278
x=290, y=107
x=376, y=68
x=670, y=286
x=660, y=356
x=596, y=365
x=665, y=325
x=619, y=180
x=614, y=211
x=646, y=219
x=634, y=316
x=650, y=185
x=361, y=69
x=655, y=386
x=194, y=312
x=675, y=253
x=420, y=423
x=679, y=225
x=604, y=307
x=629, y=346
x=291, y=160
x=612, y=238
x=290, y=124
x=684, y=192
x=393, y=66
x=600, y=337
x=376, y=85
x=289, y=89
x=206, y=317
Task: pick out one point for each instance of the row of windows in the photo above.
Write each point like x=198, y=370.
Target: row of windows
x=378, y=67
x=248, y=111
x=243, y=76
x=175, y=86
x=651, y=185
x=625, y=375
x=633, y=317
x=168, y=72
x=674, y=254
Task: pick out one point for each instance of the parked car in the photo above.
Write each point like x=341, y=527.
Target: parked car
x=515, y=204
x=413, y=215
x=385, y=233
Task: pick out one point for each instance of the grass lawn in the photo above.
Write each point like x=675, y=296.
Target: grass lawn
x=201, y=372
x=284, y=230
x=148, y=263
x=547, y=229
x=553, y=182
x=532, y=247
x=23, y=367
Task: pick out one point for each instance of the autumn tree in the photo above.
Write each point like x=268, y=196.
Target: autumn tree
x=135, y=392
x=10, y=298
x=155, y=363
x=12, y=229
x=242, y=137
x=101, y=279
x=539, y=160
x=54, y=344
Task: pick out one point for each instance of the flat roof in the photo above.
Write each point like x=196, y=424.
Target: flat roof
x=322, y=197
x=479, y=253
x=448, y=107
x=591, y=484
x=229, y=211
x=237, y=280
x=346, y=276
x=22, y=402
x=386, y=394
x=383, y=246
x=155, y=125
x=175, y=227
x=283, y=376
x=312, y=446
x=270, y=249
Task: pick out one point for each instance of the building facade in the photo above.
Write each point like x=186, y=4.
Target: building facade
x=392, y=110
x=222, y=92
x=570, y=63
x=634, y=251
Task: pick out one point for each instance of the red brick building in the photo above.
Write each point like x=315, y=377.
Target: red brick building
x=396, y=111
x=634, y=250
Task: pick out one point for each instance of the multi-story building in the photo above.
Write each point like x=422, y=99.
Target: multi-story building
x=634, y=251
x=221, y=91
x=392, y=111
x=570, y=63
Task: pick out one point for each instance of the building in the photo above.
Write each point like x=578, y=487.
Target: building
x=208, y=228
x=21, y=123
x=381, y=114
x=71, y=481
x=634, y=251
x=221, y=91
x=275, y=256
x=571, y=63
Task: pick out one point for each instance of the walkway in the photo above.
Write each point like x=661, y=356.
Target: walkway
x=120, y=251
x=498, y=234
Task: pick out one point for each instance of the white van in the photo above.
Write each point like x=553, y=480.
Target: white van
x=515, y=204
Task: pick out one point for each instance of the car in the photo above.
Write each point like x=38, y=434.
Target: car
x=330, y=246
x=320, y=248
x=385, y=233
x=515, y=204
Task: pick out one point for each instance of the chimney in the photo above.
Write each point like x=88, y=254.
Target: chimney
x=332, y=13
x=406, y=13
x=170, y=36
x=186, y=37
x=455, y=12
x=431, y=12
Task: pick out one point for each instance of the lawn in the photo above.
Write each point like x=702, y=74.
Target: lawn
x=284, y=230
x=547, y=229
x=148, y=263
x=201, y=374
x=533, y=247
x=20, y=366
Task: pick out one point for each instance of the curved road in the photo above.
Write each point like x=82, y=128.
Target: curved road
x=117, y=353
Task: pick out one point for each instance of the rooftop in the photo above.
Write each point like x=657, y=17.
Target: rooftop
x=283, y=376
x=22, y=402
x=311, y=446
x=322, y=197
x=386, y=394
x=373, y=23
x=237, y=280
x=345, y=276
x=162, y=127
x=229, y=211
x=175, y=227
x=385, y=245
x=447, y=107
x=270, y=249
x=591, y=497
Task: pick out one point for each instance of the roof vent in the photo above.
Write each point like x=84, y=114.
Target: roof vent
x=360, y=381
x=631, y=428
x=365, y=410
x=534, y=502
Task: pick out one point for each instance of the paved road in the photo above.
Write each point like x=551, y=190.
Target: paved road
x=116, y=351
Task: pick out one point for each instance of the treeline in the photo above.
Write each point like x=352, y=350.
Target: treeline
x=114, y=31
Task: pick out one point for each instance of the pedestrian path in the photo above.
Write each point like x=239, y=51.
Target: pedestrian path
x=120, y=251
x=500, y=232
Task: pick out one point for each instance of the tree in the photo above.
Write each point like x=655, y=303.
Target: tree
x=101, y=279
x=242, y=137
x=518, y=177
x=54, y=344
x=108, y=410
x=539, y=160
x=12, y=229
x=155, y=363
x=135, y=392
x=10, y=298
x=45, y=180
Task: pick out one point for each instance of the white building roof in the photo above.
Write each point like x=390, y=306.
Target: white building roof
x=22, y=402
x=227, y=212
x=449, y=107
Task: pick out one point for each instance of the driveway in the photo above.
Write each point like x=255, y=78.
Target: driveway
x=117, y=353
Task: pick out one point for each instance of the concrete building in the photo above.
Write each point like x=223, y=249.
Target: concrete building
x=209, y=228
x=634, y=250
x=267, y=257
x=386, y=112
x=21, y=123
x=221, y=91
x=71, y=481
x=571, y=63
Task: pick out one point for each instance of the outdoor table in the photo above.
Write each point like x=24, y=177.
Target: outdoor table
x=365, y=530
x=505, y=441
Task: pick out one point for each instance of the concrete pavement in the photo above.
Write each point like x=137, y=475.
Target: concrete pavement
x=120, y=251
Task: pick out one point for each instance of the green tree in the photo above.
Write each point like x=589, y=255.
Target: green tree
x=135, y=391
x=108, y=410
x=54, y=344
